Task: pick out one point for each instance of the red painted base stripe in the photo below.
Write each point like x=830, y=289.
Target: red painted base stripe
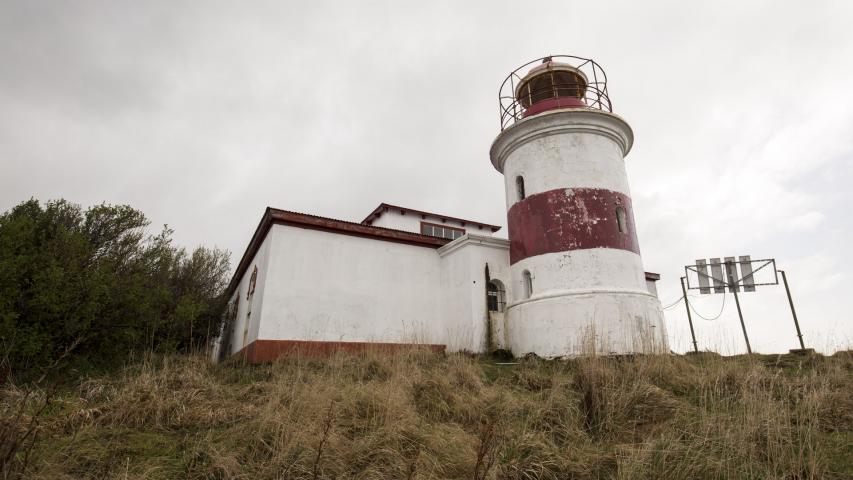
x=569, y=219
x=265, y=351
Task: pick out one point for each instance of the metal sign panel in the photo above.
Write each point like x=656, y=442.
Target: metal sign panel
x=746, y=273
x=733, y=274
x=717, y=275
x=702, y=269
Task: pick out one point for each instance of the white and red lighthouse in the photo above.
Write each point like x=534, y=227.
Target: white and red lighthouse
x=578, y=280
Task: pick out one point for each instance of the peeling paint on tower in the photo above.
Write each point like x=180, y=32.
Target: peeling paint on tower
x=569, y=219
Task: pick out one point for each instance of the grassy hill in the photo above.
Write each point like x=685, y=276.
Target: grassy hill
x=421, y=415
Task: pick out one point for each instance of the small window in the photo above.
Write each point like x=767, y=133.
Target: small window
x=528, y=284
x=441, y=231
x=519, y=186
x=495, y=295
x=621, y=221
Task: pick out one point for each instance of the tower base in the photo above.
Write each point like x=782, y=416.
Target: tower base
x=591, y=322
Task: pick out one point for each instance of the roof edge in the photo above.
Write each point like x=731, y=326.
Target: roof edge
x=273, y=216
x=475, y=240
x=383, y=205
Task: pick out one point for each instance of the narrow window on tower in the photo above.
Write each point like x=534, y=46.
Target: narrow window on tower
x=528, y=284
x=621, y=221
x=519, y=185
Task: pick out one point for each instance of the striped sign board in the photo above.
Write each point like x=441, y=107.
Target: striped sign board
x=732, y=274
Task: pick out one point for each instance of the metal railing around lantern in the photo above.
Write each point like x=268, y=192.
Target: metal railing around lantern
x=593, y=96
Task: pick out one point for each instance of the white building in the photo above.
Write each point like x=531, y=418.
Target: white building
x=568, y=281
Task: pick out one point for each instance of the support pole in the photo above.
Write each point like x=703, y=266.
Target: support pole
x=793, y=312
x=689, y=318
x=742, y=325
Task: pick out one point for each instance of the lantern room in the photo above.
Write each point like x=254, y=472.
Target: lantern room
x=551, y=85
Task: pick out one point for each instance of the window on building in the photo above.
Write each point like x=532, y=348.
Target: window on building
x=441, y=231
x=621, y=220
x=495, y=296
x=519, y=186
x=528, y=284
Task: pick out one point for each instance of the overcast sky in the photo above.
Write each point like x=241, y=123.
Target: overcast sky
x=201, y=114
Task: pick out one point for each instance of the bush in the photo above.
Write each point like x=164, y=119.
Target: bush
x=93, y=287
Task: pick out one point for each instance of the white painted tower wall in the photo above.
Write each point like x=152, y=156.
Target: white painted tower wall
x=584, y=300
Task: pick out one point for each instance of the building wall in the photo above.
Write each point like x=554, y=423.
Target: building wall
x=464, y=288
x=455, y=302
x=328, y=287
x=411, y=222
x=235, y=333
x=321, y=286
x=652, y=287
x=495, y=253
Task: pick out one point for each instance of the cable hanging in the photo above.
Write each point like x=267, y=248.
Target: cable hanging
x=677, y=301
x=722, y=307
x=673, y=303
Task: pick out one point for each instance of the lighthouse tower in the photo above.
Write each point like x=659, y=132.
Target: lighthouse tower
x=578, y=280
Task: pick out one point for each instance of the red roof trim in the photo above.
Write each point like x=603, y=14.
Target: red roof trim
x=386, y=206
x=274, y=216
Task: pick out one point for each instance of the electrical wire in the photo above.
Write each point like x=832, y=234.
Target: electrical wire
x=678, y=300
x=722, y=307
x=673, y=303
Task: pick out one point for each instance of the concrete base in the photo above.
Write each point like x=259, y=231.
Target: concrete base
x=265, y=351
x=703, y=354
x=587, y=323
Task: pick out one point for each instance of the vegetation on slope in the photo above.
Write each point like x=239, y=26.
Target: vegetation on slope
x=423, y=415
x=92, y=287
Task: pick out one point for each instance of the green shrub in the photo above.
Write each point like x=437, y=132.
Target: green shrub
x=93, y=286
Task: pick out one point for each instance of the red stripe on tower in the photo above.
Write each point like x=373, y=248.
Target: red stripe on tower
x=570, y=219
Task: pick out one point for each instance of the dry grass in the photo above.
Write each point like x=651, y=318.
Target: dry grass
x=421, y=415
